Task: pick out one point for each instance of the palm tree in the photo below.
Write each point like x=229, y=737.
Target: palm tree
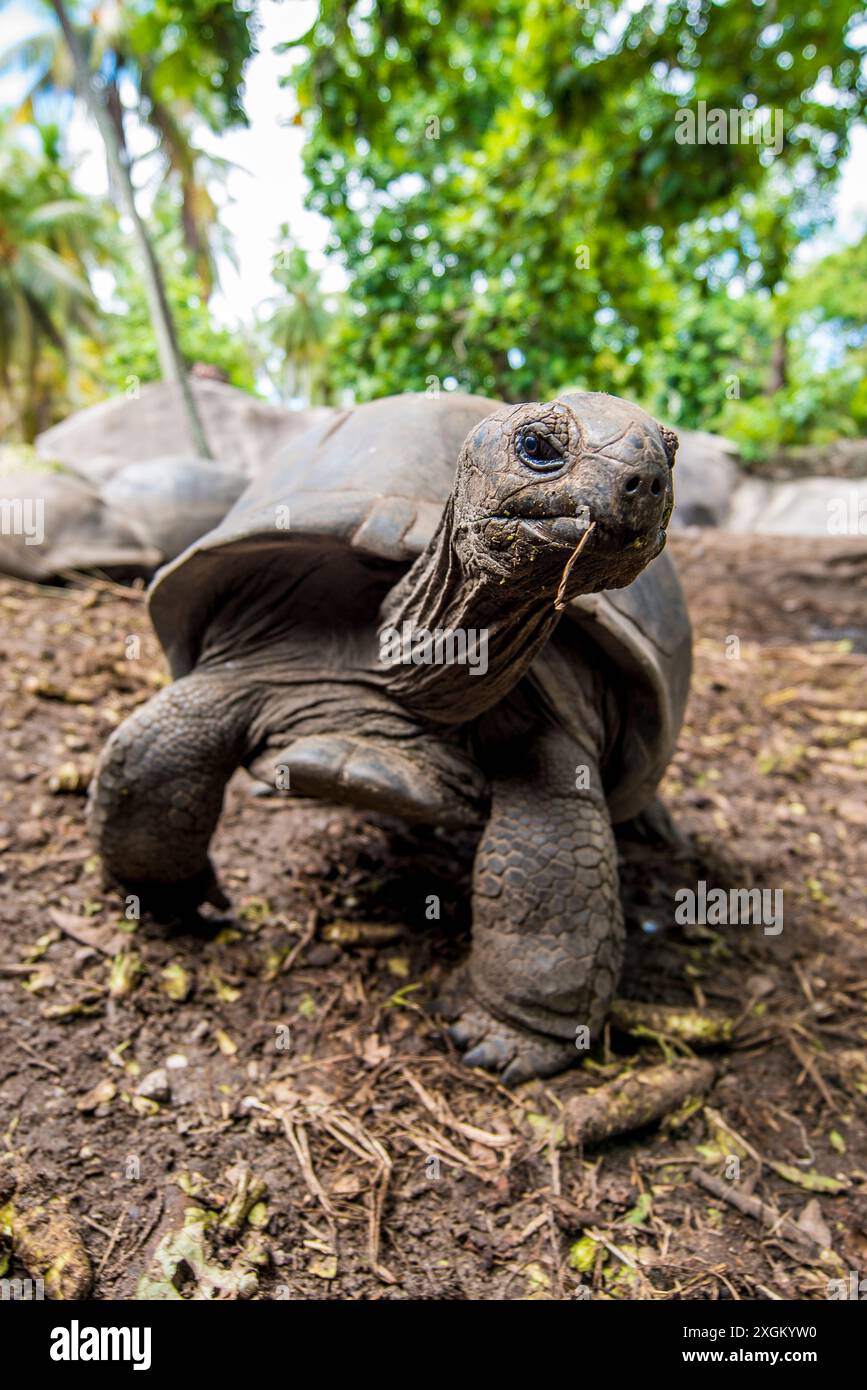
x=49, y=235
x=178, y=62
x=172, y=366
x=139, y=74
x=299, y=328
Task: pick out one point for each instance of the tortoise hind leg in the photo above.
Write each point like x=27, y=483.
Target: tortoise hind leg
x=159, y=787
x=547, y=921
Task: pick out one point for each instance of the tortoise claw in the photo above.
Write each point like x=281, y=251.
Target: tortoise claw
x=509, y=1051
x=492, y=1053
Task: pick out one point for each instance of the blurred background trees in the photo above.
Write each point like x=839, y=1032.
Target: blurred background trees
x=170, y=69
x=50, y=238
x=507, y=190
x=507, y=200
x=298, y=329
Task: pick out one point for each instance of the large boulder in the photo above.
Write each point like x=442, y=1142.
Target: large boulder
x=706, y=474
x=242, y=431
x=51, y=522
x=174, y=499
x=803, y=507
x=145, y=514
x=840, y=458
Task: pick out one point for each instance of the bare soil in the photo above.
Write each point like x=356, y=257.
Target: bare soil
x=392, y=1171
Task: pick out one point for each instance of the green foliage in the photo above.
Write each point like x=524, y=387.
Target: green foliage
x=183, y=65
x=130, y=344
x=711, y=366
x=192, y=54
x=507, y=191
x=815, y=408
x=177, y=67
x=188, y=64
x=299, y=328
x=711, y=344
x=514, y=208
x=50, y=235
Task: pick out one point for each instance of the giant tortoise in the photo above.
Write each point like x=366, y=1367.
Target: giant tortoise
x=143, y=515
x=55, y=521
x=150, y=421
x=448, y=610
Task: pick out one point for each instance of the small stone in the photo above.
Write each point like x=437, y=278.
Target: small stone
x=155, y=1086
x=32, y=834
x=321, y=954
x=852, y=811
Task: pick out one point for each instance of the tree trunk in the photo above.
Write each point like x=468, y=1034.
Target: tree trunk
x=171, y=363
x=779, y=364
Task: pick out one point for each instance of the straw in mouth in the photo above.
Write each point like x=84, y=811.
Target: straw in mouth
x=560, y=601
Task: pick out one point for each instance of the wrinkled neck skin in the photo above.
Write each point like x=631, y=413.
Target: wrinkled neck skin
x=510, y=626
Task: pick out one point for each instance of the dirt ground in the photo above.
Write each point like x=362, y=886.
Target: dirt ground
x=294, y=1034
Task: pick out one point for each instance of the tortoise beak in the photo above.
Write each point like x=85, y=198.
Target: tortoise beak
x=567, y=530
x=562, y=532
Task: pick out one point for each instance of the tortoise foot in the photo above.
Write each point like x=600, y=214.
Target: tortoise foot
x=513, y=1053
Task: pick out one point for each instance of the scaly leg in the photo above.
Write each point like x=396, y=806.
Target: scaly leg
x=547, y=921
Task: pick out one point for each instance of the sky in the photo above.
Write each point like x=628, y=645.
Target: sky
x=268, y=187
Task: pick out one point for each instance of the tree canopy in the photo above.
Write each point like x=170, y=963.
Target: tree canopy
x=523, y=197
x=516, y=212
x=50, y=237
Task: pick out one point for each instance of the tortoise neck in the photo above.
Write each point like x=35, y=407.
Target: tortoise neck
x=454, y=644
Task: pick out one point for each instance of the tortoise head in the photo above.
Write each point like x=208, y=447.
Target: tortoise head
x=570, y=496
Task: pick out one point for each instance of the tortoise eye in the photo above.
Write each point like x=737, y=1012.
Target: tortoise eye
x=535, y=447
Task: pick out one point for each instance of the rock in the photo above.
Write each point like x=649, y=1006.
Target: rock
x=240, y=429
x=32, y=834
x=56, y=521
x=321, y=954
x=97, y=471
x=174, y=499
x=83, y=957
x=842, y=458
x=155, y=1086
x=807, y=507
x=706, y=476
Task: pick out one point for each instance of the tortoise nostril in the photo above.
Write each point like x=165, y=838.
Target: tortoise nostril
x=633, y=484
x=656, y=487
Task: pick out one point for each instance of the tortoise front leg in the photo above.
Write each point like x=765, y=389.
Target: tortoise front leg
x=547, y=921
x=159, y=786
